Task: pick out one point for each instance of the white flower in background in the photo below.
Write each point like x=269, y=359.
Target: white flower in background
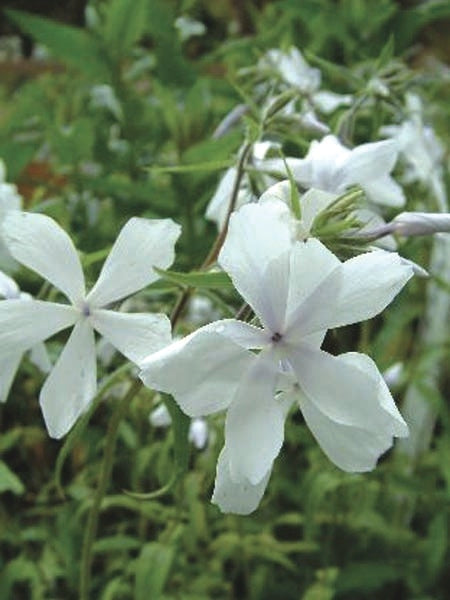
x=421, y=149
x=201, y=310
x=39, y=243
x=332, y=167
x=10, y=199
x=198, y=428
x=104, y=96
x=9, y=290
x=188, y=27
x=295, y=71
x=217, y=208
x=298, y=290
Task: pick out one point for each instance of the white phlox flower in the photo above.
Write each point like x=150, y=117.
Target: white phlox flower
x=331, y=167
x=295, y=71
x=297, y=290
x=217, y=208
x=420, y=148
x=198, y=428
x=40, y=244
x=10, y=199
x=315, y=201
x=9, y=290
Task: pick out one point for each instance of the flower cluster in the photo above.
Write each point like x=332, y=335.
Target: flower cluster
x=278, y=247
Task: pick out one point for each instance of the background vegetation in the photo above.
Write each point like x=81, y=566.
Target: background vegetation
x=92, y=156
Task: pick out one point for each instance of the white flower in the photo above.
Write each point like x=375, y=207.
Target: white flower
x=420, y=223
x=10, y=199
x=421, y=149
x=298, y=290
x=313, y=202
x=38, y=355
x=217, y=208
x=332, y=167
x=198, y=428
x=295, y=71
x=39, y=243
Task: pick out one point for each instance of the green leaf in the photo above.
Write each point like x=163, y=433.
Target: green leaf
x=125, y=25
x=152, y=570
x=211, y=165
x=197, y=279
x=9, y=482
x=366, y=576
x=68, y=44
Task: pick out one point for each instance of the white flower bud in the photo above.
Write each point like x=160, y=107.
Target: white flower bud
x=418, y=223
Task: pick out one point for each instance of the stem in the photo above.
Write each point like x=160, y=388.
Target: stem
x=92, y=524
x=214, y=252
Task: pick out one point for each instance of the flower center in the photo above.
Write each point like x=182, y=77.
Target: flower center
x=276, y=337
x=86, y=309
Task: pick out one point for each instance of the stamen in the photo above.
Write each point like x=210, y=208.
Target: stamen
x=86, y=311
x=276, y=337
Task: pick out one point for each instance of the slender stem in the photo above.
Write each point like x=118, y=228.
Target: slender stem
x=214, y=252
x=105, y=473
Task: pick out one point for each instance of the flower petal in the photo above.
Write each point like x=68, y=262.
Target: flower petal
x=40, y=244
x=357, y=449
x=23, y=323
x=257, y=235
x=8, y=287
x=72, y=384
x=240, y=498
x=7, y=374
x=242, y=334
x=141, y=245
x=311, y=263
x=358, y=290
x=134, y=335
x=367, y=163
x=347, y=389
x=201, y=371
x=385, y=191
x=254, y=427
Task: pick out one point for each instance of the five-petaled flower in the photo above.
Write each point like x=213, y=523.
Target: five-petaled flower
x=332, y=167
x=39, y=243
x=297, y=290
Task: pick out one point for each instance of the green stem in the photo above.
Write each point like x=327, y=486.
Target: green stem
x=108, y=456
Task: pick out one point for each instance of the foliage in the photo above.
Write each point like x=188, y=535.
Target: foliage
x=119, y=120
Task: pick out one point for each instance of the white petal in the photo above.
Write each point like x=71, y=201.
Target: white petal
x=160, y=416
x=347, y=389
x=134, y=335
x=384, y=191
x=198, y=433
x=328, y=102
x=254, y=427
x=23, y=323
x=141, y=245
x=367, y=163
x=257, y=235
x=351, y=448
x=358, y=290
x=8, y=371
x=40, y=244
x=218, y=205
x=240, y=498
x=311, y=264
x=8, y=287
x=201, y=371
x=240, y=333
x=314, y=202
x=72, y=384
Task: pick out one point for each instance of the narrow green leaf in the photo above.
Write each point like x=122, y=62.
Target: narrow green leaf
x=125, y=24
x=212, y=165
x=197, y=279
x=152, y=570
x=9, y=482
x=68, y=44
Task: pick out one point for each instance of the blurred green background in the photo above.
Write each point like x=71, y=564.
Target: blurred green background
x=92, y=95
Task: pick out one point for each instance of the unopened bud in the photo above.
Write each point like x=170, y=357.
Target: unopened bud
x=418, y=223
